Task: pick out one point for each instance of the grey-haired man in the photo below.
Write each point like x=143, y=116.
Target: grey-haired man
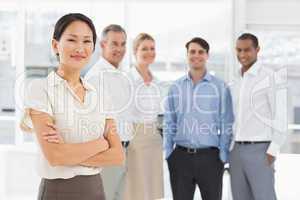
x=109, y=78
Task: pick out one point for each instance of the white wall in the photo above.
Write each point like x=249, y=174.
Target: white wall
x=18, y=172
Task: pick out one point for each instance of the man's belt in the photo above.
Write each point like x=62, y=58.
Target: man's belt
x=125, y=144
x=251, y=142
x=196, y=150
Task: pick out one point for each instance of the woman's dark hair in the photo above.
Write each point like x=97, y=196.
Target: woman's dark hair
x=67, y=19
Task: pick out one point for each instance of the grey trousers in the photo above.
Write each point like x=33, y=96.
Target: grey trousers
x=252, y=178
x=76, y=188
x=114, y=180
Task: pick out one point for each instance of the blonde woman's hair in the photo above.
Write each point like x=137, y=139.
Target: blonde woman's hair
x=139, y=39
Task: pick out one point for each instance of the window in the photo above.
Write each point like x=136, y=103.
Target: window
x=173, y=27
x=7, y=76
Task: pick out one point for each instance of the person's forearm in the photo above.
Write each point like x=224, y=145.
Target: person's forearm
x=168, y=144
x=279, y=122
x=73, y=154
x=61, y=154
x=226, y=136
x=170, y=130
x=112, y=156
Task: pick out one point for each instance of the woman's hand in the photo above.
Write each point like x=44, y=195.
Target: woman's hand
x=53, y=136
x=115, y=155
x=110, y=128
x=104, y=144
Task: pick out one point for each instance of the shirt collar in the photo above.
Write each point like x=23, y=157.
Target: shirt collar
x=104, y=64
x=207, y=77
x=54, y=79
x=254, y=69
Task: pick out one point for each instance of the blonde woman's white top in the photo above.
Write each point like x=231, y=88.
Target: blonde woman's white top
x=76, y=122
x=147, y=99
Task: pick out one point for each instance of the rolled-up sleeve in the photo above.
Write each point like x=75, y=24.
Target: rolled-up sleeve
x=277, y=97
x=170, y=125
x=227, y=119
x=36, y=97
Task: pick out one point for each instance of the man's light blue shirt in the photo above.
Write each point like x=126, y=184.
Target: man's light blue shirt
x=198, y=115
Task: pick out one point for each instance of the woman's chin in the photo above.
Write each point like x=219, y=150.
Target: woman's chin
x=78, y=65
x=148, y=62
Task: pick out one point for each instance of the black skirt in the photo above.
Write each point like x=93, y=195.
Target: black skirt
x=76, y=188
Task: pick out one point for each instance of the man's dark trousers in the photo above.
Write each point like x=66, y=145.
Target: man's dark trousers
x=188, y=169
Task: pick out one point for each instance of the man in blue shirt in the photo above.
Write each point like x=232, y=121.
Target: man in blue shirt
x=197, y=128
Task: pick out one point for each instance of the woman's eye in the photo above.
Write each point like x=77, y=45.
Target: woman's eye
x=71, y=40
x=87, y=41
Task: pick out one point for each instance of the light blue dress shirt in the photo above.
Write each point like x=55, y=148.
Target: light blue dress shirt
x=198, y=115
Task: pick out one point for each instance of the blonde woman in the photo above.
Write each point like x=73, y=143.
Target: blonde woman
x=75, y=136
x=144, y=177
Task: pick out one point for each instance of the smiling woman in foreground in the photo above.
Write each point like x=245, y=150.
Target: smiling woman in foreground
x=74, y=133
